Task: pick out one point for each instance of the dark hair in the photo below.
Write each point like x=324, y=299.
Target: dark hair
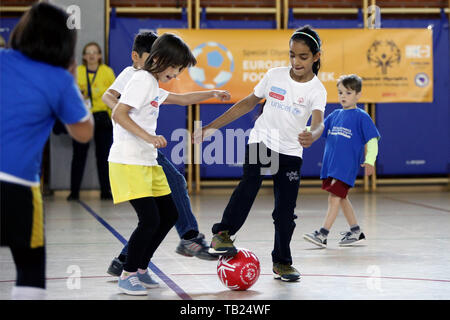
x=143, y=42
x=42, y=34
x=351, y=81
x=312, y=40
x=98, y=48
x=169, y=50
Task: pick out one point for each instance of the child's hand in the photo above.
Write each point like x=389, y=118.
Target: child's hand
x=368, y=169
x=222, y=95
x=305, y=138
x=158, y=142
x=201, y=133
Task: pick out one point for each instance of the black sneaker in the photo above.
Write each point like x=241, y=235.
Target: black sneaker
x=115, y=268
x=196, y=247
x=73, y=197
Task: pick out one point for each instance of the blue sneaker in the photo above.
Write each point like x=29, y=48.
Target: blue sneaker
x=132, y=286
x=147, y=280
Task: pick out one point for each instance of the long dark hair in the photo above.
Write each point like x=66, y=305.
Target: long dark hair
x=169, y=50
x=307, y=35
x=42, y=34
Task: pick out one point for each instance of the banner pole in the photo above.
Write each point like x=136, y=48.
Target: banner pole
x=372, y=114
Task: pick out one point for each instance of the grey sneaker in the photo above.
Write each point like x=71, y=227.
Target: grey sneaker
x=196, y=247
x=222, y=244
x=285, y=272
x=351, y=238
x=115, y=268
x=317, y=238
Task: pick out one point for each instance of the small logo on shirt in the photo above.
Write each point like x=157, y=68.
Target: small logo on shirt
x=154, y=103
x=293, y=176
x=277, y=93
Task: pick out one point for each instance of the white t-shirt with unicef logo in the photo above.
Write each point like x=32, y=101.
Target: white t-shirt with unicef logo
x=289, y=105
x=142, y=93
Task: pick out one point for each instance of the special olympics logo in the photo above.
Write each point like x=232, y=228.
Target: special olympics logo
x=384, y=55
x=215, y=65
x=249, y=273
x=421, y=80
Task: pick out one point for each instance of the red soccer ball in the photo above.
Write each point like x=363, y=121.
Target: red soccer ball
x=239, y=272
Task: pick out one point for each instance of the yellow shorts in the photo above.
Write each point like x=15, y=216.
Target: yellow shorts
x=134, y=181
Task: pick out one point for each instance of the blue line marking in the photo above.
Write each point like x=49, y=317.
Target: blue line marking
x=172, y=285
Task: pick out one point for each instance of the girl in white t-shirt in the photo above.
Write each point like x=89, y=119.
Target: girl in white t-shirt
x=276, y=142
x=134, y=172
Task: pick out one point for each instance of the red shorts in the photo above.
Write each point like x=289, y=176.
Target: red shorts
x=338, y=188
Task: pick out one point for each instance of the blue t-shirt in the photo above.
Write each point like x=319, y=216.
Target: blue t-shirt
x=347, y=132
x=32, y=95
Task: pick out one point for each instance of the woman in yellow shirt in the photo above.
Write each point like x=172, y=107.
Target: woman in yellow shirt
x=93, y=78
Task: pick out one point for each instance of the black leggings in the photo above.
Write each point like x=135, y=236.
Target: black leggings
x=157, y=215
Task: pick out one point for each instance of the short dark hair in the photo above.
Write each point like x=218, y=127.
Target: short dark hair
x=42, y=34
x=169, y=50
x=143, y=42
x=351, y=81
x=312, y=40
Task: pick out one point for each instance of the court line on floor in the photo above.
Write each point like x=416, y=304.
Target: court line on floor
x=417, y=204
x=172, y=285
x=327, y=275
x=267, y=274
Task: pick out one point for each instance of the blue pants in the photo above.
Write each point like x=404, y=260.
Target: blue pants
x=177, y=183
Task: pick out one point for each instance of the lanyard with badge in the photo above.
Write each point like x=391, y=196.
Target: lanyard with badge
x=89, y=101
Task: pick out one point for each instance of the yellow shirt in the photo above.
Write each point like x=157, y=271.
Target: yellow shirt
x=103, y=80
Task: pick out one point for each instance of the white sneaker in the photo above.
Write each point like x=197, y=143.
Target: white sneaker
x=317, y=238
x=351, y=238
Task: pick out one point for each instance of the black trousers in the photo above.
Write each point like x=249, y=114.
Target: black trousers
x=103, y=139
x=285, y=172
x=22, y=230
x=156, y=215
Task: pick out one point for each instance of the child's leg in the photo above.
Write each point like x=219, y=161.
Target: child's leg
x=332, y=212
x=186, y=224
x=349, y=213
x=149, y=220
x=30, y=268
x=286, y=183
x=80, y=151
x=168, y=215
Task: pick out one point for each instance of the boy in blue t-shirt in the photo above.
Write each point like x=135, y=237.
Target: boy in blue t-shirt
x=347, y=131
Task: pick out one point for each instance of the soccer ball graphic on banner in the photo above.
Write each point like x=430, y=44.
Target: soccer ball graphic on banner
x=215, y=65
x=239, y=272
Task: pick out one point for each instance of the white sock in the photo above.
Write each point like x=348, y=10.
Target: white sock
x=27, y=293
x=126, y=274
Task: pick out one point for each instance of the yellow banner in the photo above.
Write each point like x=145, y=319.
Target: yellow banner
x=396, y=65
